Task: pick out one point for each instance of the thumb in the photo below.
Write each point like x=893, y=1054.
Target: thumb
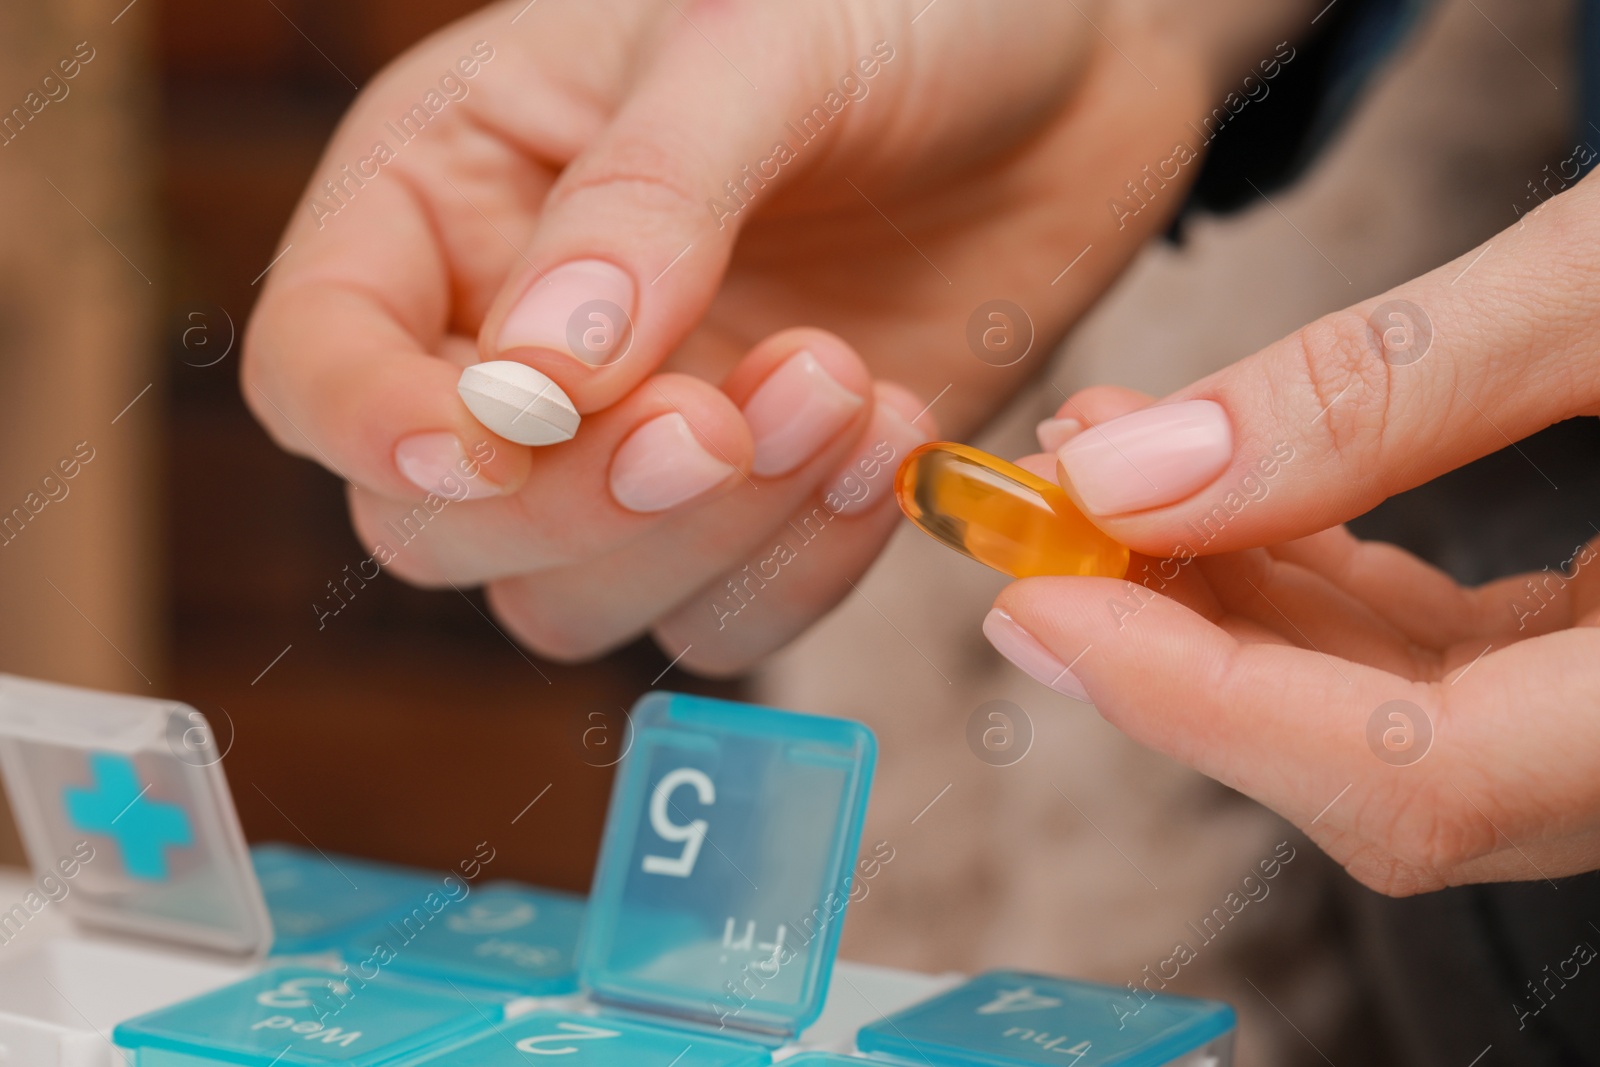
x=1362, y=404
x=634, y=237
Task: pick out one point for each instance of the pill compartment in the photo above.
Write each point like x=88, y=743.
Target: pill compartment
x=598, y=1041
x=307, y=1017
x=727, y=863
x=726, y=866
x=1015, y=1019
x=136, y=860
x=829, y=1059
x=318, y=901
x=502, y=936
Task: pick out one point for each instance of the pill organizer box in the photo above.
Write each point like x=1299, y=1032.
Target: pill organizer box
x=708, y=940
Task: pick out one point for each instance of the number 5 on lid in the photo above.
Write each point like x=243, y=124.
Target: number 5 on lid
x=727, y=863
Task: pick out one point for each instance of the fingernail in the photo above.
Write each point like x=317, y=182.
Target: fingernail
x=867, y=480
x=1029, y=656
x=1041, y=463
x=583, y=308
x=437, y=463
x=794, y=413
x=1148, y=458
x=662, y=464
x=1053, y=433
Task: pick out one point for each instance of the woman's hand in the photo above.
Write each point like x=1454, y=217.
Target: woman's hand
x=1422, y=733
x=541, y=179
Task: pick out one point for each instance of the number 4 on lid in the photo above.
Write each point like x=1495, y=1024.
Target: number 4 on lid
x=1011, y=1019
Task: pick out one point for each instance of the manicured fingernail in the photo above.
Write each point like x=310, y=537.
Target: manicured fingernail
x=1147, y=458
x=1029, y=656
x=583, y=308
x=867, y=480
x=1041, y=463
x=794, y=413
x=662, y=464
x=437, y=463
x=1053, y=433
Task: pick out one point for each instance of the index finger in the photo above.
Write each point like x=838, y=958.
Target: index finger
x=339, y=360
x=1362, y=404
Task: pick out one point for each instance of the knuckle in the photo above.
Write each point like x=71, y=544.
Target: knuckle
x=1437, y=829
x=545, y=633
x=653, y=171
x=1347, y=386
x=410, y=565
x=677, y=636
x=257, y=382
x=252, y=378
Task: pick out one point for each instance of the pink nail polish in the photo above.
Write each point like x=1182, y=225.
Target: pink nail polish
x=1029, y=656
x=1041, y=463
x=437, y=463
x=795, y=412
x=1053, y=433
x=583, y=308
x=1148, y=458
x=662, y=464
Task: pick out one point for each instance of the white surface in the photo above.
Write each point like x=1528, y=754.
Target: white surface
x=61, y=994
x=518, y=402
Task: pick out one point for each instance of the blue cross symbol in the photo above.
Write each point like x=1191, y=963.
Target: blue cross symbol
x=116, y=807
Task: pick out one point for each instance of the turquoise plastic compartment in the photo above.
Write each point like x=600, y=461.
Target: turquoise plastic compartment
x=317, y=900
x=502, y=935
x=1013, y=1019
x=727, y=863
x=305, y=1017
x=598, y=1041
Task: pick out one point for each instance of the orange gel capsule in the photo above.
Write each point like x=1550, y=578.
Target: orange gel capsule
x=1001, y=515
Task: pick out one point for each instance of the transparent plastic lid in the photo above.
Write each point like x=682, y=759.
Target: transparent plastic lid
x=124, y=809
x=727, y=863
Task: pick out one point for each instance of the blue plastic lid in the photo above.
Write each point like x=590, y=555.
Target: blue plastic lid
x=503, y=935
x=306, y=1017
x=597, y=1041
x=727, y=863
x=316, y=899
x=1013, y=1019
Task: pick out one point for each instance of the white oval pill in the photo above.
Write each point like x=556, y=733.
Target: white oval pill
x=518, y=402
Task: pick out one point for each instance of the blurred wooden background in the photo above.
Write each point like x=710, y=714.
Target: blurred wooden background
x=189, y=552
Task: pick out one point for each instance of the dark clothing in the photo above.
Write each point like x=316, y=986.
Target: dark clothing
x=1454, y=972
x=1590, y=38
x=1264, y=146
